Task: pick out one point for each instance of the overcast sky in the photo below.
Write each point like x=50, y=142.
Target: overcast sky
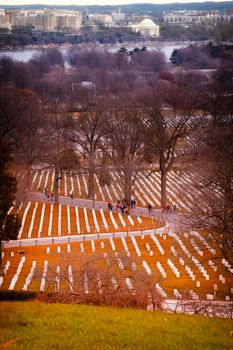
x=92, y=2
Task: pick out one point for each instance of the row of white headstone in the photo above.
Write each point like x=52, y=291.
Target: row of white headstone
x=144, y=264
x=159, y=266
x=30, y=275
x=59, y=232
x=17, y=274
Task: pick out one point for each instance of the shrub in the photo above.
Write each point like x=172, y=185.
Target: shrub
x=13, y=295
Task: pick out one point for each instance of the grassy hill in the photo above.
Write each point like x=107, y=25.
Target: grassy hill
x=35, y=325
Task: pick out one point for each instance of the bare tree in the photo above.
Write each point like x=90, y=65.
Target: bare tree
x=88, y=132
x=127, y=148
x=57, y=153
x=167, y=127
x=29, y=138
x=212, y=168
x=211, y=177
x=109, y=281
x=12, y=107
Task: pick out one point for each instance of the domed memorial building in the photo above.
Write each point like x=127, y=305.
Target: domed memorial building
x=146, y=27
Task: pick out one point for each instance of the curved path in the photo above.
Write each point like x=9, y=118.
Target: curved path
x=27, y=242
x=170, y=220
x=138, y=211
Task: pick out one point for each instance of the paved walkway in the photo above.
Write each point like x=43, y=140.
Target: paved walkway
x=171, y=219
x=81, y=237
x=170, y=222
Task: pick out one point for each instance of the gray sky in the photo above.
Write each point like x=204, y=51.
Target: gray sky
x=92, y=2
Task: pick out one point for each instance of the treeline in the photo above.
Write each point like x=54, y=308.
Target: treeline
x=204, y=57
x=222, y=31
x=103, y=68
x=26, y=36
x=21, y=36
x=138, y=8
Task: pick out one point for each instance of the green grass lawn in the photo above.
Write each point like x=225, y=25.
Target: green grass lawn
x=36, y=325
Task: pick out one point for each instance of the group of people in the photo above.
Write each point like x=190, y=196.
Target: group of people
x=123, y=205
x=51, y=195
x=168, y=209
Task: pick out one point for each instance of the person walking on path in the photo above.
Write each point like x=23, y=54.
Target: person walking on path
x=149, y=207
x=133, y=203
x=163, y=208
x=118, y=205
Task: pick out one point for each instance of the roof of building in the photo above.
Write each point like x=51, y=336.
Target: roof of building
x=147, y=23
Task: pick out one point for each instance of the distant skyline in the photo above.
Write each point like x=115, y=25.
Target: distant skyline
x=95, y=2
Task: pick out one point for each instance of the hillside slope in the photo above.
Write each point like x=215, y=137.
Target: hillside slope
x=35, y=325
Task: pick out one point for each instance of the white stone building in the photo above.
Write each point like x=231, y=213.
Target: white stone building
x=146, y=27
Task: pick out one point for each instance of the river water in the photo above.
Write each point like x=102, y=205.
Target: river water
x=26, y=54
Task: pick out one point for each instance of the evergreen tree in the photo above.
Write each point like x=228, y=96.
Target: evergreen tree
x=173, y=57
x=9, y=223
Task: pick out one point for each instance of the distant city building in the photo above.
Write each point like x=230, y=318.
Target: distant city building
x=228, y=15
x=104, y=19
x=195, y=17
x=44, y=20
x=118, y=17
x=228, y=12
x=146, y=27
x=136, y=18
x=3, y=23
x=71, y=21
x=109, y=20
